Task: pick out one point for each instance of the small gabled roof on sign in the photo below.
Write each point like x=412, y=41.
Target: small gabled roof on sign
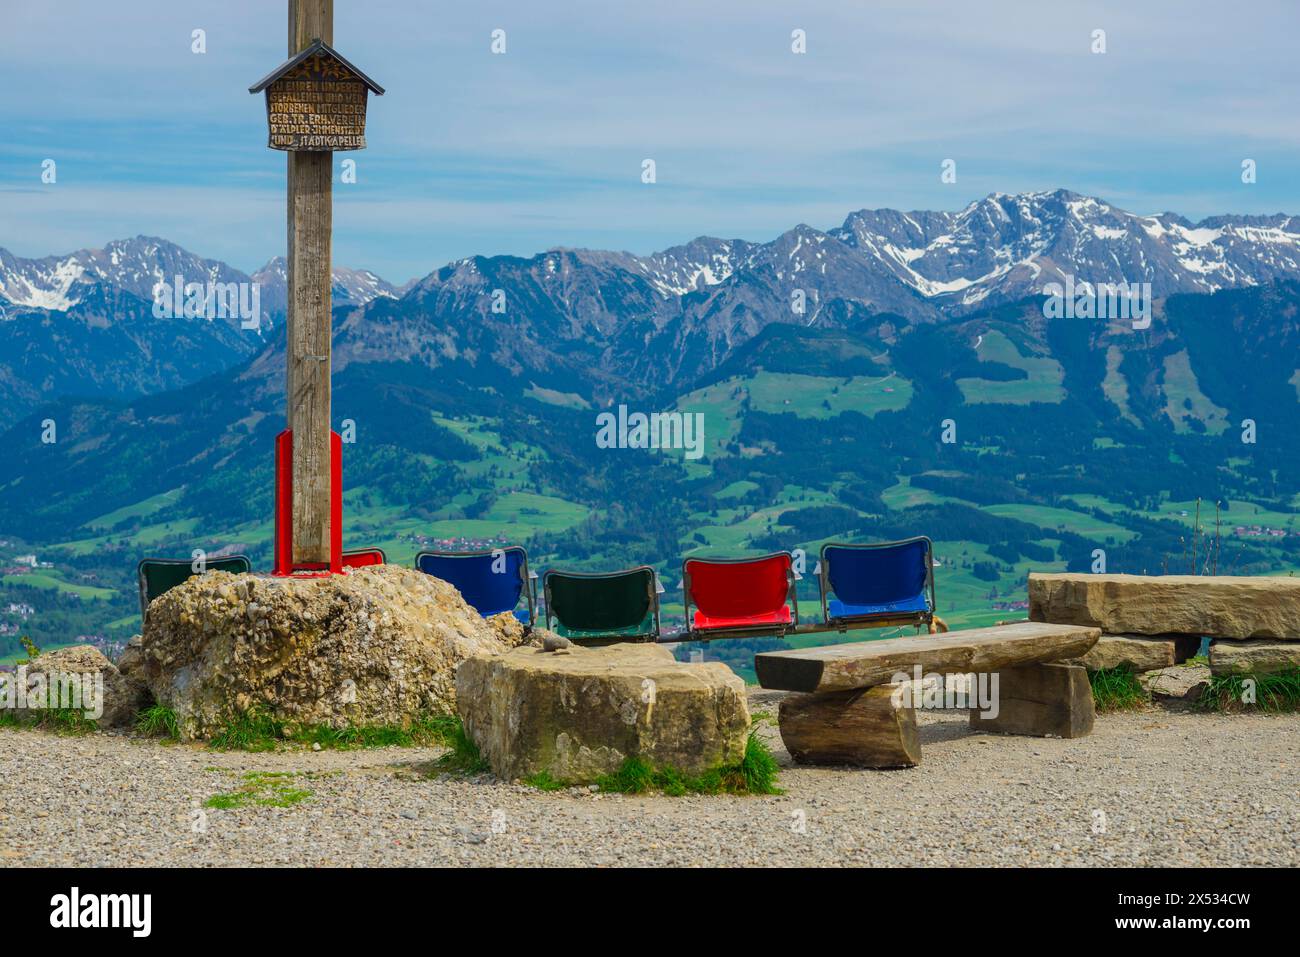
x=317, y=46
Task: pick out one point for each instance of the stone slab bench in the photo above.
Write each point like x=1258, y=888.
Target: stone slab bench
x=852, y=709
x=1218, y=606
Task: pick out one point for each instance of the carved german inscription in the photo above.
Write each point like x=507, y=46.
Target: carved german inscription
x=317, y=105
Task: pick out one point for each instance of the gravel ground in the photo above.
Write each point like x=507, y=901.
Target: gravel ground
x=1163, y=787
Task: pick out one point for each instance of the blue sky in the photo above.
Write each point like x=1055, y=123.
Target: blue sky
x=471, y=152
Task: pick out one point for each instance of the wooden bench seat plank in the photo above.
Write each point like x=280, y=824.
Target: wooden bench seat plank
x=867, y=663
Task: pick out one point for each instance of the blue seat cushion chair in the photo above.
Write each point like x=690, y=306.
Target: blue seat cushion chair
x=492, y=582
x=879, y=581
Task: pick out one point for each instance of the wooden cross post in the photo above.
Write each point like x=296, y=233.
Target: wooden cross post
x=311, y=215
x=315, y=106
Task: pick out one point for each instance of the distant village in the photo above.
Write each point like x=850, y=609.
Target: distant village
x=459, y=544
x=23, y=564
x=1258, y=531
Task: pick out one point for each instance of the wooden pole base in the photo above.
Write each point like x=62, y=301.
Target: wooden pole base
x=1041, y=700
x=862, y=727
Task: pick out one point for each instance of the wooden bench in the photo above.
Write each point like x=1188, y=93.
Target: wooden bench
x=854, y=709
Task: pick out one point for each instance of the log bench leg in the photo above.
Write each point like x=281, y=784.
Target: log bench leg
x=862, y=727
x=1040, y=700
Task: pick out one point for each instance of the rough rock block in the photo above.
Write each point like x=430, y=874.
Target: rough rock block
x=1253, y=657
x=1139, y=653
x=578, y=713
x=1220, y=606
x=1041, y=700
x=375, y=647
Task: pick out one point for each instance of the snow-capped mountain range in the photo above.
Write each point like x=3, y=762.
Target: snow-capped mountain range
x=619, y=318
x=1006, y=247
x=674, y=315
x=1001, y=248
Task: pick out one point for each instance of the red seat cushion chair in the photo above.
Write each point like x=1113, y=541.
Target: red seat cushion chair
x=749, y=595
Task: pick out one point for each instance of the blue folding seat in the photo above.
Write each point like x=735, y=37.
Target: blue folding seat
x=876, y=585
x=491, y=581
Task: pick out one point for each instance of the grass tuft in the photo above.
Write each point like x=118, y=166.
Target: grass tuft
x=1117, y=689
x=635, y=776
x=464, y=756
x=1276, y=692
x=254, y=731
x=755, y=774
x=758, y=770
x=158, y=722
x=543, y=781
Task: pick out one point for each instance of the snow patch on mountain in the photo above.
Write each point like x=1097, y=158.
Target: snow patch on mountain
x=138, y=265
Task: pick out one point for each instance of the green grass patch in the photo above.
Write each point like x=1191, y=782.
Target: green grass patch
x=738, y=489
x=261, y=789
x=755, y=774
x=543, y=781
x=138, y=510
x=1043, y=382
x=1117, y=689
x=254, y=731
x=824, y=397
x=425, y=731
x=1184, y=399
x=52, y=582
x=1051, y=519
x=158, y=722
x=1115, y=387
x=570, y=400
x=1276, y=692
x=63, y=721
x=257, y=731
x=464, y=756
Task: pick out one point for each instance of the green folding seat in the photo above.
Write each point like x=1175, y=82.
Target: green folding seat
x=159, y=575
x=603, y=607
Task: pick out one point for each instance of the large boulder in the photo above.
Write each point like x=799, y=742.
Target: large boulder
x=578, y=713
x=1219, y=606
x=376, y=646
x=82, y=678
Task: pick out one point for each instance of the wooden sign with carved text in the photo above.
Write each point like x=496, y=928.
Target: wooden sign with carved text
x=316, y=102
